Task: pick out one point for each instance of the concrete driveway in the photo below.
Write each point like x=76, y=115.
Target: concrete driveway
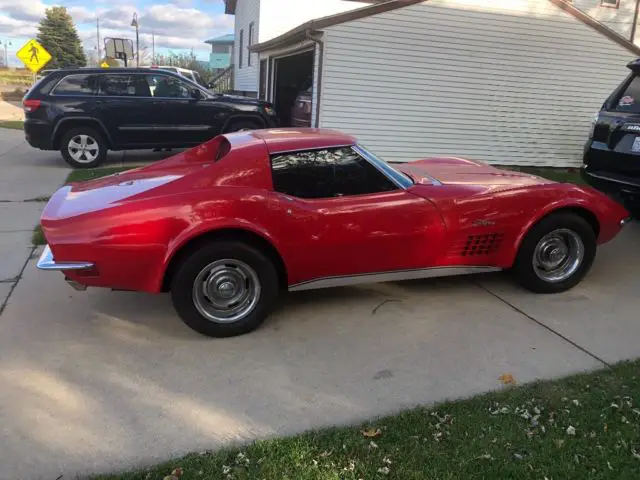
x=98, y=380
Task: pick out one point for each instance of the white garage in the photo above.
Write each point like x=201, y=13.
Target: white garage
x=513, y=82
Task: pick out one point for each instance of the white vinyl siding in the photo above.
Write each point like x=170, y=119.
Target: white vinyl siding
x=618, y=19
x=514, y=83
x=246, y=77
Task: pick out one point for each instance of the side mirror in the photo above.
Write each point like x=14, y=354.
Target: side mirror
x=196, y=94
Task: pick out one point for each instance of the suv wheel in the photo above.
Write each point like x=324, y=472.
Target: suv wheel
x=83, y=147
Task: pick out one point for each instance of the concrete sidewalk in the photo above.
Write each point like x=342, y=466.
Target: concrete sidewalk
x=27, y=177
x=96, y=381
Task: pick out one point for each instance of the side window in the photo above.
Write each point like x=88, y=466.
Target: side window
x=163, y=86
x=241, y=49
x=122, y=85
x=327, y=173
x=77, y=85
x=629, y=101
x=249, y=43
x=356, y=176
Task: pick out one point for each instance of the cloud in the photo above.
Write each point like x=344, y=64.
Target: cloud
x=175, y=23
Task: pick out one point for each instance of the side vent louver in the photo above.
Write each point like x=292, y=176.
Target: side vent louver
x=482, y=244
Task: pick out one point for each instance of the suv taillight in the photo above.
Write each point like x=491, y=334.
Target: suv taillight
x=30, y=105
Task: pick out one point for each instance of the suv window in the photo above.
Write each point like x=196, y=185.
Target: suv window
x=327, y=173
x=167, y=87
x=77, y=85
x=123, y=85
x=629, y=101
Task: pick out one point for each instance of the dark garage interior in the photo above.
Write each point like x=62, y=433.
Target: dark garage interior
x=293, y=74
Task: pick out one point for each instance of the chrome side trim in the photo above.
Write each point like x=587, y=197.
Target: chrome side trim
x=47, y=262
x=329, y=282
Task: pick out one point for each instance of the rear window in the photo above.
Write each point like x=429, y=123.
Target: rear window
x=77, y=85
x=629, y=101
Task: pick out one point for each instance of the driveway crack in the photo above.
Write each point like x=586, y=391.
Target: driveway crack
x=543, y=325
x=17, y=280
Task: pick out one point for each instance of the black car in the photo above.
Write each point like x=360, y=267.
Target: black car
x=612, y=152
x=85, y=112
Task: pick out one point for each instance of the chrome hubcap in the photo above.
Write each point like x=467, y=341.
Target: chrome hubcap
x=226, y=291
x=558, y=255
x=83, y=148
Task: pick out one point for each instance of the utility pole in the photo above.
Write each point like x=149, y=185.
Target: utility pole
x=134, y=23
x=98, y=34
x=635, y=22
x=153, y=47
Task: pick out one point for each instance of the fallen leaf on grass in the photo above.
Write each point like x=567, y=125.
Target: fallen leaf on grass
x=373, y=444
x=371, y=433
x=170, y=477
x=571, y=430
x=178, y=472
x=326, y=453
x=635, y=454
x=507, y=379
x=559, y=442
x=384, y=470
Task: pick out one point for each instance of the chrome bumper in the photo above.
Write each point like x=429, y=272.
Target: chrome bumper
x=47, y=262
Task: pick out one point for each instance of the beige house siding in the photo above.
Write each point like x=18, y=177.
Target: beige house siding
x=516, y=82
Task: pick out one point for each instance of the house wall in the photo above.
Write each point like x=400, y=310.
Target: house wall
x=246, y=77
x=505, y=82
x=280, y=16
x=618, y=19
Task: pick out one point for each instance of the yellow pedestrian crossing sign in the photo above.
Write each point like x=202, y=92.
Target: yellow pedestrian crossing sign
x=104, y=65
x=33, y=55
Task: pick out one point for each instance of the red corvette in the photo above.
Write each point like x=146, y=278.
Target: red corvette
x=228, y=225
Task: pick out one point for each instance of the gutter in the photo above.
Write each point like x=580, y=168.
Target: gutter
x=320, y=43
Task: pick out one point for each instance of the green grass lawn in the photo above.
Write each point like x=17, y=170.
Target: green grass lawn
x=79, y=175
x=13, y=124
x=581, y=427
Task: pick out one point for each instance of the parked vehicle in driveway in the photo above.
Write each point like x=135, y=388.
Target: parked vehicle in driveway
x=230, y=224
x=612, y=151
x=86, y=112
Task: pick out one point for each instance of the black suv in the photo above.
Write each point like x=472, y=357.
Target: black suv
x=612, y=152
x=84, y=112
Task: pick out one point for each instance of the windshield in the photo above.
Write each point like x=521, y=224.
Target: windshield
x=399, y=177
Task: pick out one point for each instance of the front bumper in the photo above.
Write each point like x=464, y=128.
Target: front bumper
x=612, y=183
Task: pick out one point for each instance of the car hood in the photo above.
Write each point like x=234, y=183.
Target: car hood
x=460, y=171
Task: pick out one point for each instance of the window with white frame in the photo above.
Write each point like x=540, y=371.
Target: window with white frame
x=610, y=3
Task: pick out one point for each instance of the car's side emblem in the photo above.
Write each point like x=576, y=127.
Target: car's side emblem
x=483, y=223
x=631, y=127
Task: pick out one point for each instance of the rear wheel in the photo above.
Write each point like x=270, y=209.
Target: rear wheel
x=556, y=254
x=83, y=147
x=225, y=289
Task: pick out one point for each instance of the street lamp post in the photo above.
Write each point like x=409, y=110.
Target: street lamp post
x=134, y=23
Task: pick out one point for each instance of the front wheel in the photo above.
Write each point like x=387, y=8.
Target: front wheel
x=224, y=289
x=555, y=254
x=83, y=147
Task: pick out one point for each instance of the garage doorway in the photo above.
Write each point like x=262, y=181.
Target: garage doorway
x=293, y=88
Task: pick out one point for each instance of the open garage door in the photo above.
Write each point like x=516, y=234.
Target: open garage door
x=293, y=88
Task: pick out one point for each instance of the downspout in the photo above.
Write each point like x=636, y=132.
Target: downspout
x=635, y=22
x=320, y=43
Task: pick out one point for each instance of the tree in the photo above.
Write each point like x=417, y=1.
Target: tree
x=185, y=60
x=58, y=35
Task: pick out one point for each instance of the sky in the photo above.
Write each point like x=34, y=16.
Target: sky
x=179, y=25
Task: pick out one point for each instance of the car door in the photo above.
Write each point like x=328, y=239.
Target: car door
x=180, y=117
x=127, y=109
x=339, y=215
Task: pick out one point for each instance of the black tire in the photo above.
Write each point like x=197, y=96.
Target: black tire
x=243, y=125
x=94, y=139
x=523, y=267
x=182, y=288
